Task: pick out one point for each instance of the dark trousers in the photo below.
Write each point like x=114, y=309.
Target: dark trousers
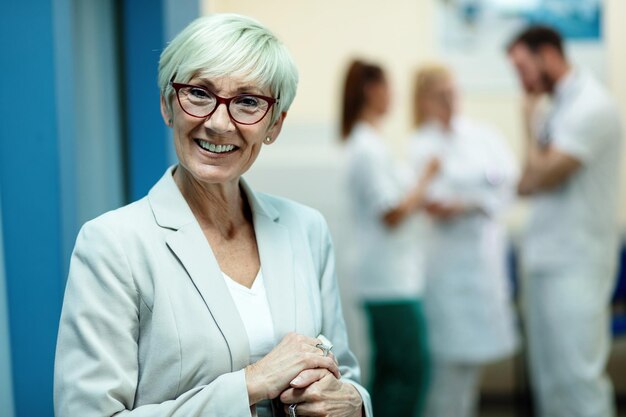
x=400, y=360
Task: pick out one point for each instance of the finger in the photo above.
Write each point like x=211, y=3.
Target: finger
x=300, y=339
x=326, y=362
x=317, y=360
x=311, y=345
x=299, y=411
x=308, y=399
x=292, y=396
x=308, y=376
x=286, y=409
x=312, y=400
x=311, y=341
x=331, y=355
x=308, y=410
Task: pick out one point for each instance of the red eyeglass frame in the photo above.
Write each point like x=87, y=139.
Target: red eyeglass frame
x=223, y=100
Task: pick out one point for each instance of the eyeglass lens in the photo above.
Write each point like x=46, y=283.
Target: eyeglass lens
x=243, y=108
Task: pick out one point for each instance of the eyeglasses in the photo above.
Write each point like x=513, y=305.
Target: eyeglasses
x=245, y=109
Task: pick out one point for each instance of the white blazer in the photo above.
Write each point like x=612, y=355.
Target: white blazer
x=148, y=326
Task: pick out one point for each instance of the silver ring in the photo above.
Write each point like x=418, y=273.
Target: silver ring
x=292, y=410
x=325, y=345
x=325, y=349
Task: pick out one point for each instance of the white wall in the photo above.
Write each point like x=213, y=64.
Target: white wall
x=324, y=35
x=615, y=31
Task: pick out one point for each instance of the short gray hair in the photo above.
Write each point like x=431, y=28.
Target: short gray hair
x=229, y=44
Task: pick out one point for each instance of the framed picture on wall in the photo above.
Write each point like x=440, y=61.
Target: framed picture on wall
x=473, y=35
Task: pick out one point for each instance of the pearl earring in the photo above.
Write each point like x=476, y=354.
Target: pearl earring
x=267, y=140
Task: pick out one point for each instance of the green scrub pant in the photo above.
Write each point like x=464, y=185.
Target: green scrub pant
x=400, y=358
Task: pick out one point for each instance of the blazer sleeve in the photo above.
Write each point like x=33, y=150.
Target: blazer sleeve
x=96, y=365
x=333, y=324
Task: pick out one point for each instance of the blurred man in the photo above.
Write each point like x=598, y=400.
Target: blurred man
x=570, y=248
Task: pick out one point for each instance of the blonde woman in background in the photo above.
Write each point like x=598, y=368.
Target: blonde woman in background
x=389, y=278
x=466, y=297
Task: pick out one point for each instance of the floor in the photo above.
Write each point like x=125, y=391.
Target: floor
x=501, y=379
x=503, y=410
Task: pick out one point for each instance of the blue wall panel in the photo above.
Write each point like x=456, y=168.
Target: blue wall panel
x=146, y=134
x=29, y=176
x=38, y=167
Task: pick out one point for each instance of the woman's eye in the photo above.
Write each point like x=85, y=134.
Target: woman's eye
x=247, y=101
x=199, y=93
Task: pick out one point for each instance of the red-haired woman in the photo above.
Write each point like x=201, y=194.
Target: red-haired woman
x=388, y=270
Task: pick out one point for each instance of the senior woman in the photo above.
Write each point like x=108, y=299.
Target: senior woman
x=206, y=298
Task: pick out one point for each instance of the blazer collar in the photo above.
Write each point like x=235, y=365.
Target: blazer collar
x=172, y=211
x=190, y=246
x=168, y=204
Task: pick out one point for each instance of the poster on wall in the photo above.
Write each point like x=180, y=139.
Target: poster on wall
x=473, y=35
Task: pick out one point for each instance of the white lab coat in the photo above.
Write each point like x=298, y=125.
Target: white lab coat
x=583, y=123
x=388, y=264
x=570, y=255
x=467, y=292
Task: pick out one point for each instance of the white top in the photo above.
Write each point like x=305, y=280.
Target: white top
x=577, y=222
x=388, y=261
x=254, y=310
x=467, y=294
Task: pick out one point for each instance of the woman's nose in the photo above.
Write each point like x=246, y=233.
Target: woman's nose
x=220, y=120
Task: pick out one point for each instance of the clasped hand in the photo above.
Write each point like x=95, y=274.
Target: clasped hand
x=319, y=393
x=297, y=371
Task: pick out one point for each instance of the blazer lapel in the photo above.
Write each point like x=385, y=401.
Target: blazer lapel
x=276, y=253
x=190, y=246
x=194, y=252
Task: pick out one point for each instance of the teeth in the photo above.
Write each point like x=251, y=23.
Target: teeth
x=215, y=148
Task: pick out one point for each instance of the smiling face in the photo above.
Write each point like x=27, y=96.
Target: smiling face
x=217, y=150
